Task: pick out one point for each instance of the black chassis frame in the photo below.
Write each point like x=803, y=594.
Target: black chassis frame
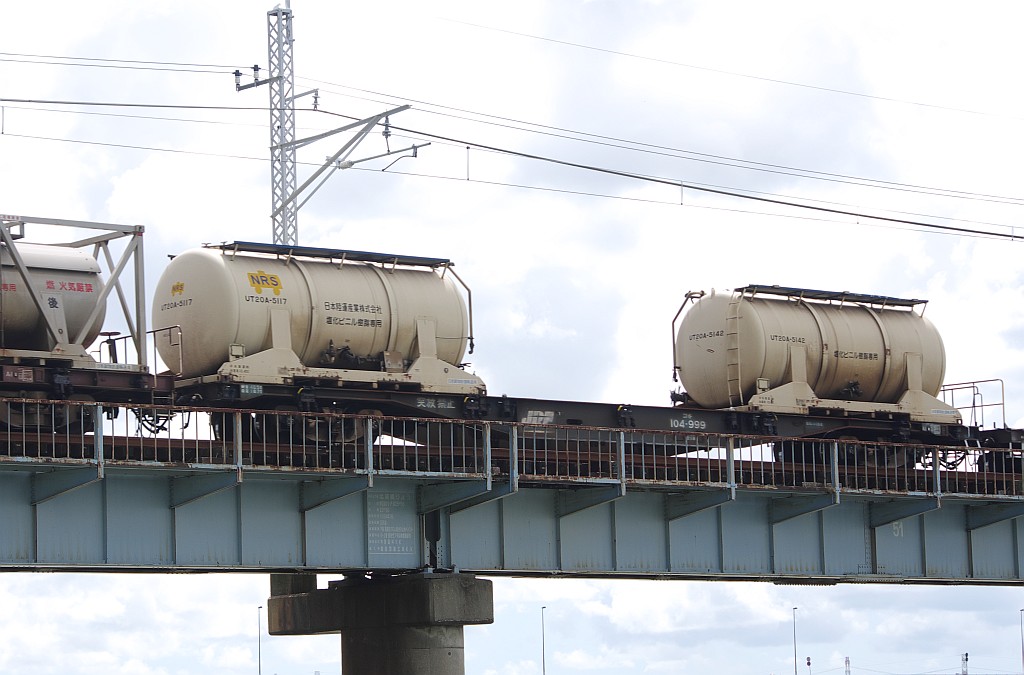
x=821, y=423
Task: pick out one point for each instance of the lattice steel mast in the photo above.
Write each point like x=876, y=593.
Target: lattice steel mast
x=284, y=214
x=285, y=190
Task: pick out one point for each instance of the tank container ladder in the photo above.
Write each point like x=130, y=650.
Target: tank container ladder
x=732, y=336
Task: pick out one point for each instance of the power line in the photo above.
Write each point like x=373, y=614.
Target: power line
x=899, y=221
x=703, y=157
x=558, y=132
x=107, y=104
x=693, y=186
x=125, y=146
x=720, y=71
x=938, y=191
x=760, y=192
x=97, y=65
x=587, y=167
x=116, y=63
x=978, y=234
x=137, y=117
x=450, y=144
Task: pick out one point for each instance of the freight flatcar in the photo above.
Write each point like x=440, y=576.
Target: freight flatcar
x=320, y=331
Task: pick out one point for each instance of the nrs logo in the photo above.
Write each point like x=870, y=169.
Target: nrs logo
x=260, y=280
x=178, y=288
x=539, y=417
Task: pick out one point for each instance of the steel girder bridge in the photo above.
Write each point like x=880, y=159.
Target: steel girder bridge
x=410, y=510
x=152, y=489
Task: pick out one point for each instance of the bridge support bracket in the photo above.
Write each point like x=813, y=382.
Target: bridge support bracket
x=316, y=493
x=55, y=483
x=432, y=497
x=188, y=489
x=497, y=491
x=887, y=513
x=571, y=501
x=990, y=514
x=694, y=501
x=798, y=505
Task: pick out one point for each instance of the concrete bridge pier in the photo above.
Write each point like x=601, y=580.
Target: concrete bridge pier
x=389, y=625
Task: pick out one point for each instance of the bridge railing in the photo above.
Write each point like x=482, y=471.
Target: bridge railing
x=53, y=432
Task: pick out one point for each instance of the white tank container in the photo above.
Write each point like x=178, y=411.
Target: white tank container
x=222, y=299
x=67, y=279
x=844, y=344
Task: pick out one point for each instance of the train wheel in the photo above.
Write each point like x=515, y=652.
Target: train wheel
x=223, y=425
x=284, y=428
x=1000, y=461
x=880, y=456
x=48, y=418
x=74, y=419
x=800, y=452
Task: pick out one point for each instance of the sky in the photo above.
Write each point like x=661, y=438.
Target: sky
x=908, y=110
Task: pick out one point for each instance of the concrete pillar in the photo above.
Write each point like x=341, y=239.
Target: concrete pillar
x=292, y=584
x=389, y=625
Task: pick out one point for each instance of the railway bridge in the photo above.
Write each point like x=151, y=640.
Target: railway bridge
x=411, y=510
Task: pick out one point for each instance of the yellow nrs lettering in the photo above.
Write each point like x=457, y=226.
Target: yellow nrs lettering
x=260, y=280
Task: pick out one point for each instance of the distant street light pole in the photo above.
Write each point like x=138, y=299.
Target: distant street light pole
x=259, y=642
x=544, y=650
x=794, y=642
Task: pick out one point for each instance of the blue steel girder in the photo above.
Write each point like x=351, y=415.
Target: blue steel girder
x=241, y=518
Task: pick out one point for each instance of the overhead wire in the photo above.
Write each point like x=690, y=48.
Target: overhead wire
x=626, y=174
x=582, y=193
x=141, y=117
x=692, y=186
x=111, y=104
x=913, y=225
x=976, y=234
x=577, y=165
x=581, y=136
x=831, y=90
x=133, y=64
x=126, y=146
x=761, y=192
x=940, y=192
x=707, y=158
